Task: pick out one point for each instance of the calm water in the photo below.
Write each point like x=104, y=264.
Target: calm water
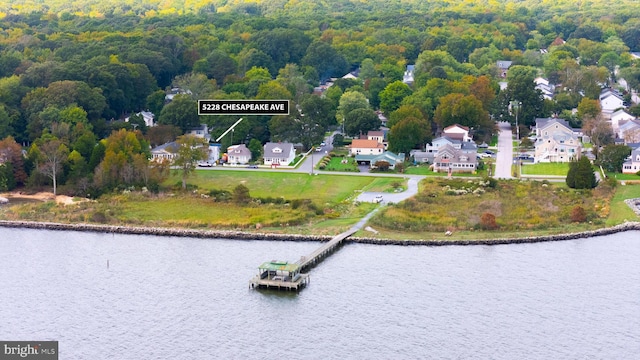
x=176, y=298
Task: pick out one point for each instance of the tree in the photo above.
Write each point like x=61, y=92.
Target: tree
x=321, y=110
x=488, y=221
x=181, y=112
x=578, y=214
x=403, y=112
x=408, y=134
x=191, y=150
x=360, y=121
x=52, y=154
x=581, y=175
x=521, y=88
x=612, y=156
x=255, y=146
x=462, y=109
x=589, y=108
x=241, y=195
x=325, y=59
x=367, y=69
x=11, y=151
x=350, y=101
x=392, y=95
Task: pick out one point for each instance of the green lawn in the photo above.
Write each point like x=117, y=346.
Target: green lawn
x=560, y=169
x=322, y=188
x=619, y=211
x=341, y=164
x=619, y=176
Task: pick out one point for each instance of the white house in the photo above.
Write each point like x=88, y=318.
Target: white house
x=201, y=131
x=556, y=141
x=619, y=116
x=238, y=154
x=165, y=152
x=632, y=165
x=148, y=117
x=457, y=132
x=407, y=78
x=629, y=131
x=276, y=154
x=610, y=102
x=449, y=159
x=365, y=147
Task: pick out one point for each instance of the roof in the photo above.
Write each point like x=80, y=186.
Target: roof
x=271, y=147
x=238, y=150
x=276, y=265
x=365, y=144
x=456, y=126
x=171, y=147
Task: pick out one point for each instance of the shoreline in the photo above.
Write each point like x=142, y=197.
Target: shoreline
x=240, y=235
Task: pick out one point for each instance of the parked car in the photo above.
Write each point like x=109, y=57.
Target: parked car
x=205, y=164
x=484, y=155
x=252, y=166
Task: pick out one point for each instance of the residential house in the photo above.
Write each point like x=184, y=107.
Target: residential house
x=276, y=154
x=147, y=116
x=391, y=158
x=450, y=160
x=545, y=87
x=457, y=132
x=408, y=78
x=610, y=101
x=175, y=91
x=556, y=141
x=165, y=152
x=467, y=147
x=629, y=131
x=503, y=67
x=619, y=116
x=201, y=131
x=238, y=154
x=377, y=135
x=365, y=147
x=632, y=165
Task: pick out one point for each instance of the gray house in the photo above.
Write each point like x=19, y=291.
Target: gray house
x=276, y=154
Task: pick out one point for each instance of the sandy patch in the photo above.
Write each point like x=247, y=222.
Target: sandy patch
x=43, y=196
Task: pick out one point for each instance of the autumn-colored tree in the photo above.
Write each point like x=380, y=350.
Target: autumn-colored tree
x=12, y=152
x=578, y=214
x=488, y=221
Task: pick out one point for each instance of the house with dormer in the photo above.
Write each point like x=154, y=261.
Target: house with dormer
x=450, y=160
x=556, y=141
x=632, y=165
x=277, y=154
x=408, y=78
x=238, y=155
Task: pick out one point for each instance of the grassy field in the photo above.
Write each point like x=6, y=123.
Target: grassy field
x=628, y=177
x=322, y=189
x=620, y=211
x=546, y=169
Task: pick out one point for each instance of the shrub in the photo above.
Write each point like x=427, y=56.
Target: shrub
x=578, y=214
x=488, y=221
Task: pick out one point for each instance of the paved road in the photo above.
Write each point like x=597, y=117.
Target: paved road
x=504, y=158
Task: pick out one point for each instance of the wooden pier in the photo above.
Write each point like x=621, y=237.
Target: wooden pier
x=282, y=275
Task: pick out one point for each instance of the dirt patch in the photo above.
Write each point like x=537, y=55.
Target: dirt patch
x=42, y=196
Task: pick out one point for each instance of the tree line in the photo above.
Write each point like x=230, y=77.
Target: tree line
x=71, y=71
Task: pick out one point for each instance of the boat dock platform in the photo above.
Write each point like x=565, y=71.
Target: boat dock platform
x=282, y=275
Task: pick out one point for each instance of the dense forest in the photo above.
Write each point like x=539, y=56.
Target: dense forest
x=71, y=71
